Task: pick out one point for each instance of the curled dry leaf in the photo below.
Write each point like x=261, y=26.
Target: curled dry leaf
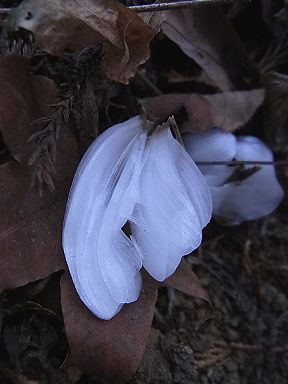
x=72, y=24
x=30, y=240
x=228, y=110
x=207, y=36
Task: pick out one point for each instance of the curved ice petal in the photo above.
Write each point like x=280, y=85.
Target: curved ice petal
x=173, y=206
x=98, y=174
x=254, y=197
x=122, y=258
x=214, y=145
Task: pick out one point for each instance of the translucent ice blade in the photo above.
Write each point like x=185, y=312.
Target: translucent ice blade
x=175, y=204
x=124, y=259
x=91, y=192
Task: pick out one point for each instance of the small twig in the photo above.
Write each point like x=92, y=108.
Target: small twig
x=165, y=6
x=170, y=6
x=256, y=348
x=235, y=162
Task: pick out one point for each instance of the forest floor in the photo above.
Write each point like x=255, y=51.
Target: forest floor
x=244, y=269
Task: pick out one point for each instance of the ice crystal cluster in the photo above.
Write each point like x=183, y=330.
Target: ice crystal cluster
x=132, y=174
x=148, y=180
x=236, y=200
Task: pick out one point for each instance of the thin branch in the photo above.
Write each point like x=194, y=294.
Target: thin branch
x=170, y=6
x=165, y=6
x=234, y=162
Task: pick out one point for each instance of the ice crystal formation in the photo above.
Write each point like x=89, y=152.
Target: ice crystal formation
x=143, y=177
x=236, y=200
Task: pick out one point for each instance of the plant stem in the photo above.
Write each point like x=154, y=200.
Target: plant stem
x=234, y=162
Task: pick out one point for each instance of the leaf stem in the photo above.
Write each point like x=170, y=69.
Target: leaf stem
x=235, y=162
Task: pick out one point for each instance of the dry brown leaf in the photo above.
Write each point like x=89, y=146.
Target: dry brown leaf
x=153, y=19
x=207, y=36
x=228, y=110
x=114, y=348
x=186, y=281
x=20, y=103
x=31, y=226
x=60, y=24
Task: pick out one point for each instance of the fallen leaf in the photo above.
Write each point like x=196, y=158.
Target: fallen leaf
x=153, y=19
x=72, y=24
x=114, y=348
x=31, y=226
x=20, y=103
x=228, y=110
x=186, y=281
x=207, y=36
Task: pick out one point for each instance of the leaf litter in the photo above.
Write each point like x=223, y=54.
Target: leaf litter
x=32, y=234
x=82, y=24
x=228, y=110
x=239, y=266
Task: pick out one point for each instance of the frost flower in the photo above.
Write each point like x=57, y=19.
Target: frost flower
x=148, y=181
x=238, y=193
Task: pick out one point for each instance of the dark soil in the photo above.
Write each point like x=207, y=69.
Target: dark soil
x=245, y=271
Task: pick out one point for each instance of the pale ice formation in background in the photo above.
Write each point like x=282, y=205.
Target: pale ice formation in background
x=255, y=196
x=150, y=182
